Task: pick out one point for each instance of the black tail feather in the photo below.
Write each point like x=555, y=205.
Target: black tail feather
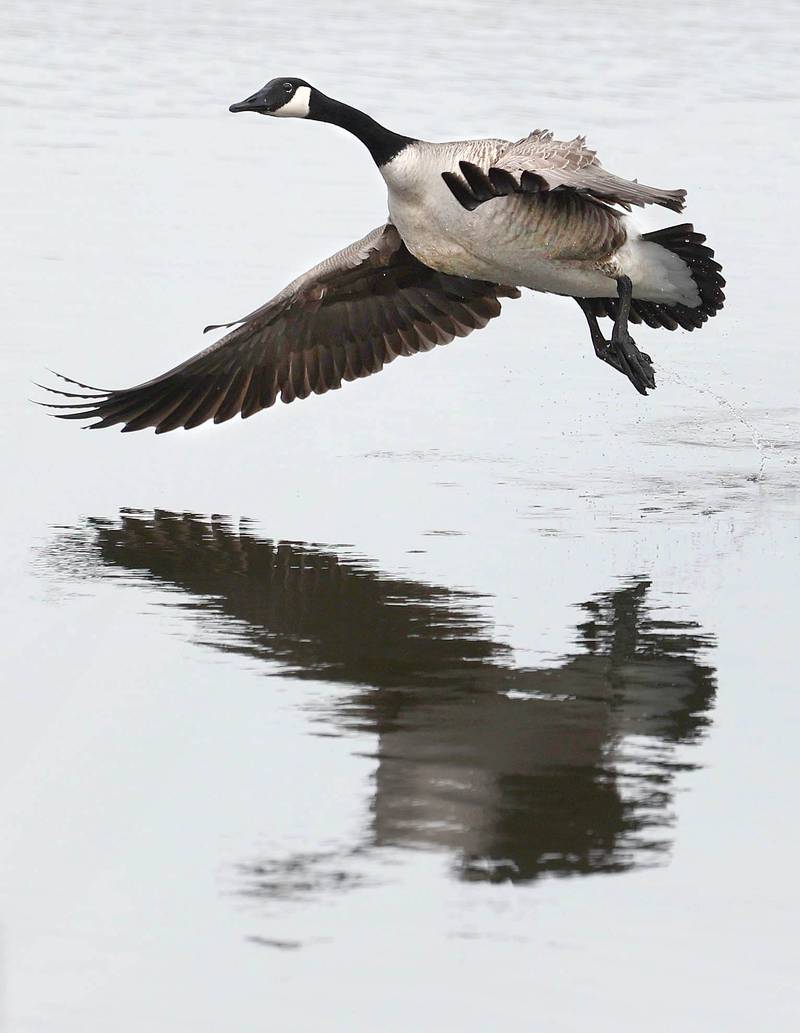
x=690, y=246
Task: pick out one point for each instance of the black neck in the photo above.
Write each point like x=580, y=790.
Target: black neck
x=381, y=143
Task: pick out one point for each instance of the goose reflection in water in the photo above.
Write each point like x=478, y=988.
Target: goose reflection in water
x=515, y=772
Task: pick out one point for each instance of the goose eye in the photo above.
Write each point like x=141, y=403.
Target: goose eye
x=287, y=86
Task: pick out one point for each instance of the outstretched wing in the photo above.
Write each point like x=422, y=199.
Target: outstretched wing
x=539, y=164
x=344, y=319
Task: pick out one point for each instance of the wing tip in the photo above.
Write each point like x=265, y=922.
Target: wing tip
x=675, y=200
x=84, y=409
x=77, y=383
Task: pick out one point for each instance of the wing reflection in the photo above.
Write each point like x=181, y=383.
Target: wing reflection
x=516, y=772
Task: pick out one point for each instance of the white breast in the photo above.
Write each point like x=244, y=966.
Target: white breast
x=432, y=223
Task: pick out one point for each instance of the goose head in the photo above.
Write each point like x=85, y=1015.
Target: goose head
x=283, y=97
x=295, y=98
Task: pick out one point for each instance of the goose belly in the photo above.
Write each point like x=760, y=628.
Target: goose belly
x=501, y=241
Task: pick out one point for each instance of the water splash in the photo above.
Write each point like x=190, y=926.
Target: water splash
x=761, y=444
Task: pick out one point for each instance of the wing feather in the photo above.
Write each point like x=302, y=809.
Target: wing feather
x=344, y=319
x=539, y=164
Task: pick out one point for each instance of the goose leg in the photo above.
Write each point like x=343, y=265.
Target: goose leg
x=636, y=365
x=620, y=352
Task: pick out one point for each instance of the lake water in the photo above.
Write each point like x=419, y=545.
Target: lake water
x=464, y=698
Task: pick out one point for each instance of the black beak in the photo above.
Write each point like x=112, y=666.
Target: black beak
x=254, y=103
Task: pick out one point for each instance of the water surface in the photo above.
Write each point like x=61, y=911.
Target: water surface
x=462, y=698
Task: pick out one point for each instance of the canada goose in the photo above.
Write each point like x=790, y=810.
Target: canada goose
x=470, y=222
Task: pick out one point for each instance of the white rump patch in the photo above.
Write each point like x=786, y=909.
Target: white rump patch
x=297, y=105
x=658, y=274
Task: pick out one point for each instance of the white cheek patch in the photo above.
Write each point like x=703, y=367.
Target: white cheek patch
x=297, y=105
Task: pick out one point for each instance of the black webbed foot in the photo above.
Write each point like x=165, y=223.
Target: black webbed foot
x=606, y=353
x=636, y=365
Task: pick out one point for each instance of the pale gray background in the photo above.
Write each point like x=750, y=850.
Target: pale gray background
x=139, y=765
